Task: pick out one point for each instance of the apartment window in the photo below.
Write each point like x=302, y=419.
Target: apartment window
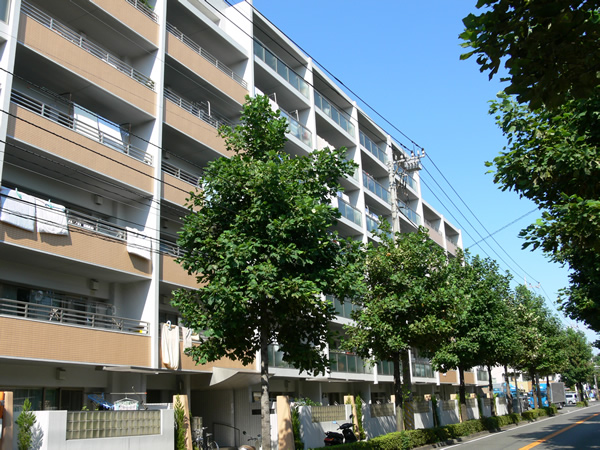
x=4, y=8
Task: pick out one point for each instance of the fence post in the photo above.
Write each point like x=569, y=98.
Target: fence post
x=285, y=433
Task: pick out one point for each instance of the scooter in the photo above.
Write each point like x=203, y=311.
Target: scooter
x=346, y=436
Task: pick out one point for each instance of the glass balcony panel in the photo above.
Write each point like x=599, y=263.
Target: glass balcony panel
x=271, y=60
x=283, y=71
x=352, y=364
x=333, y=362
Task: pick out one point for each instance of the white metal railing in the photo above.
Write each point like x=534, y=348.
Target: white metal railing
x=281, y=68
x=324, y=105
x=95, y=225
x=181, y=174
x=376, y=187
x=144, y=8
x=297, y=129
x=207, y=56
x=373, y=148
x=198, y=109
x=171, y=249
x=70, y=316
x=85, y=129
x=81, y=41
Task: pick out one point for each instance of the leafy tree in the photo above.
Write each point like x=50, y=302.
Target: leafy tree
x=552, y=160
x=481, y=334
x=579, y=368
x=549, y=48
x=549, y=51
x=405, y=305
x=258, y=239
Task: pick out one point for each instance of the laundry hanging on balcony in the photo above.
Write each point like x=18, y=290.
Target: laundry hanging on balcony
x=169, y=346
x=51, y=217
x=138, y=244
x=17, y=208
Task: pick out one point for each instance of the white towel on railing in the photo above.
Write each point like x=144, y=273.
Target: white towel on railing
x=138, y=244
x=169, y=345
x=51, y=217
x=17, y=208
x=187, y=337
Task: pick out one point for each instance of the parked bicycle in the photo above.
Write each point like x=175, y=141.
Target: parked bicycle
x=204, y=440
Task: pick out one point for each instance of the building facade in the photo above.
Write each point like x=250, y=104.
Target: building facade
x=110, y=110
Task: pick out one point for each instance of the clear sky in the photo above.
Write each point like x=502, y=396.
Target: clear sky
x=401, y=57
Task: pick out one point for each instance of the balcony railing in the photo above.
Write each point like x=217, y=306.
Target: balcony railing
x=171, y=249
x=81, y=41
x=349, y=212
x=181, y=174
x=386, y=368
x=377, y=151
x=409, y=213
x=375, y=187
x=199, y=109
x=276, y=358
x=144, y=9
x=340, y=361
x=324, y=105
x=431, y=226
x=83, y=128
x=281, y=68
x=68, y=316
x=207, y=56
x=95, y=225
x=297, y=129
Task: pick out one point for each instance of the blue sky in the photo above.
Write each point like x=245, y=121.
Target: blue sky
x=401, y=57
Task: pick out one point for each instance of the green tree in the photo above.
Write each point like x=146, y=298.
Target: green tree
x=552, y=159
x=548, y=48
x=549, y=51
x=579, y=368
x=25, y=423
x=258, y=239
x=405, y=305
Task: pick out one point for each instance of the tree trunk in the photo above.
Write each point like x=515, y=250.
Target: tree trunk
x=509, y=399
x=539, y=390
x=398, y=394
x=406, y=389
x=534, y=391
x=462, y=390
x=265, y=407
x=491, y=389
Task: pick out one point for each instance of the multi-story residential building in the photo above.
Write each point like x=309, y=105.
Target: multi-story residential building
x=110, y=110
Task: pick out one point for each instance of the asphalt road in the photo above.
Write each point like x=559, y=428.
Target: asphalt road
x=572, y=428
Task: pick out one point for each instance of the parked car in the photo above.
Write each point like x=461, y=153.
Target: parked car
x=571, y=398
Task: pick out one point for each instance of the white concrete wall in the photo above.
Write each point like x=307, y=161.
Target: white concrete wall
x=448, y=416
x=313, y=433
x=377, y=426
x=472, y=409
x=424, y=419
x=501, y=408
x=486, y=407
x=50, y=433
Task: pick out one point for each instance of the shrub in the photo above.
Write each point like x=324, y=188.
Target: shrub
x=180, y=425
x=25, y=423
x=582, y=404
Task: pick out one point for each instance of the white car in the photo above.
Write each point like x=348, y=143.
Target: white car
x=571, y=398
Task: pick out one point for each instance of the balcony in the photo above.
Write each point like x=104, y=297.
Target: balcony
x=276, y=358
x=195, y=120
x=346, y=362
x=422, y=370
x=373, y=148
x=297, y=130
x=89, y=240
x=73, y=51
x=330, y=111
x=51, y=333
x=343, y=308
x=291, y=77
x=376, y=188
x=170, y=271
x=349, y=212
x=434, y=233
x=140, y=18
x=409, y=213
x=177, y=183
x=201, y=62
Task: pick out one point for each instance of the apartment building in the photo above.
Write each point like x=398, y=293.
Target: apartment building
x=110, y=110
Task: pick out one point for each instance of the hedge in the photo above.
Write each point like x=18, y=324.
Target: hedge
x=417, y=438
